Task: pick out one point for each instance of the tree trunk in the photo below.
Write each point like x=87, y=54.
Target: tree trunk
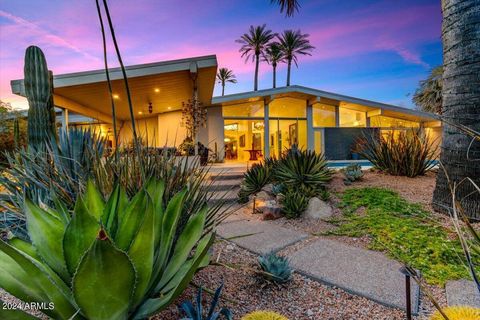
x=461, y=106
x=255, y=86
x=274, y=75
x=289, y=66
x=223, y=89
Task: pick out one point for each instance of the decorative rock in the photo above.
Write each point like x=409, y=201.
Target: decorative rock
x=318, y=209
x=272, y=213
x=462, y=292
x=263, y=195
x=268, y=188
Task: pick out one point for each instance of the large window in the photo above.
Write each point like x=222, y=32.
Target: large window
x=352, y=118
x=388, y=122
x=323, y=115
x=246, y=110
x=288, y=108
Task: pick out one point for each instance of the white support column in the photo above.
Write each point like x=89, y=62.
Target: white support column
x=64, y=119
x=310, y=133
x=266, y=130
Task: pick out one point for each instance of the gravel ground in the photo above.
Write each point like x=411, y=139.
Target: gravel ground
x=300, y=299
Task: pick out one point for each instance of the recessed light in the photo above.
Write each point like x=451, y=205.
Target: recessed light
x=115, y=96
x=140, y=112
x=169, y=108
x=157, y=90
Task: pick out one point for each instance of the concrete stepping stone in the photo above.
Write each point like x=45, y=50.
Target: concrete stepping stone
x=462, y=292
x=362, y=272
x=267, y=237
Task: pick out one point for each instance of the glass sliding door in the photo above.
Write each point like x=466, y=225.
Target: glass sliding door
x=284, y=133
x=243, y=139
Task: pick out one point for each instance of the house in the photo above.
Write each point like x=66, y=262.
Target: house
x=239, y=127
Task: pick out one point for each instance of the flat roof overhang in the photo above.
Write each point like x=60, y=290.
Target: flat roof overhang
x=165, y=84
x=320, y=96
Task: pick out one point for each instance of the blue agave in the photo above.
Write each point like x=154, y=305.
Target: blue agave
x=193, y=312
x=275, y=268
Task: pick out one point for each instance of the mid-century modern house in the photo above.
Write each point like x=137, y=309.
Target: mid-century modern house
x=238, y=126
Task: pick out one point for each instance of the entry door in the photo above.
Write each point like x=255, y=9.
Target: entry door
x=284, y=133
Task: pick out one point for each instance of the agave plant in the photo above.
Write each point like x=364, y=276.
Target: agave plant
x=352, y=172
x=193, y=312
x=294, y=202
x=108, y=260
x=254, y=180
x=275, y=268
x=303, y=170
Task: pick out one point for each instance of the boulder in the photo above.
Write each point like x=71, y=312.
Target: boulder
x=264, y=196
x=272, y=213
x=318, y=209
x=268, y=188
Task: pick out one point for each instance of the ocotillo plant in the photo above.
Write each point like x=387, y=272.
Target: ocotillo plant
x=39, y=92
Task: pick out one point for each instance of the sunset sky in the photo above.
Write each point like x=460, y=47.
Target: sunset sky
x=371, y=49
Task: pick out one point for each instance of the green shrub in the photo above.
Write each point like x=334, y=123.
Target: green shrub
x=254, y=180
x=294, y=203
x=108, y=260
x=275, y=268
x=405, y=231
x=352, y=173
x=305, y=171
x=402, y=153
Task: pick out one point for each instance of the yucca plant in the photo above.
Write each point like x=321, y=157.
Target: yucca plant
x=113, y=259
x=303, y=170
x=294, y=202
x=401, y=153
x=255, y=179
x=275, y=268
x=196, y=312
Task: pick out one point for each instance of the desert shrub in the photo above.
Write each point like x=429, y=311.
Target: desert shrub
x=275, y=268
x=256, y=177
x=402, y=153
x=352, y=173
x=304, y=171
x=109, y=259
x=294, y=202
x=13, y=131
x=195, y=312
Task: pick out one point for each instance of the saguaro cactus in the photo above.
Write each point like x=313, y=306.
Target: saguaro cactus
x=39, y=92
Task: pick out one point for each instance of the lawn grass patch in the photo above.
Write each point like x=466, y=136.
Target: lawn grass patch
x=404, y=230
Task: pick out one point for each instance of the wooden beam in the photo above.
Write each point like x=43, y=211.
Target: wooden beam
x=376, y=112
x=81, y=109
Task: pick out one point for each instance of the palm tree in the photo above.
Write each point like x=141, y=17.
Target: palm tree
x=428, y=97
x=461, y=101
x=253, y=45
x=293, y=44
x=225, y=75
x=290, y=6
x=273, y=55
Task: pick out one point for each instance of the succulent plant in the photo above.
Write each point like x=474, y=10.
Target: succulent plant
x=108, y=260
x=275, y=268
x=254, y=180
x=193, y=312
x=352, y=172
x=278, y=188
x=39, y=92
x=264, y=315
x=294, y=202
x=458, y=313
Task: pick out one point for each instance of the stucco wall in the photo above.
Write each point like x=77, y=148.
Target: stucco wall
x=215, y=131
x=147, y=130
x=171, y=133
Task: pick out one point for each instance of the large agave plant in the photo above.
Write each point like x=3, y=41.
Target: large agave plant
x=108, y=260
x=303, y=170
x=254, y=180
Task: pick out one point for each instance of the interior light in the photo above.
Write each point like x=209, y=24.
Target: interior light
x=157, y=90
x=169, y=108
x=227, y=140
x=115, y=96
x=140, y=112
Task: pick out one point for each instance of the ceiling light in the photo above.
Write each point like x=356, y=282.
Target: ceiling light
x=115, y=96
x=140, y=112
x=157, y=90
x=169, y=108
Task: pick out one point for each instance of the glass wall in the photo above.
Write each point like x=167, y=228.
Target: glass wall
x=288, y=108
x=352, y=118
x=323, y=115
x=247, y=110
x=388, y=122
x=285, y=133
x=242, y=138
x=317, y=141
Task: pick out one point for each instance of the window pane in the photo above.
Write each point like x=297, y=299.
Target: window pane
x=317, y=138
x=323, y=115
x=352, y=118
x=388, y=122
x=288, y=108
x=249, y=109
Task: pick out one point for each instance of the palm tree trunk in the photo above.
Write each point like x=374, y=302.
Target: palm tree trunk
x=223, y=89
x=288, y=71
x=461, y=101
x=257, y=58
x=274, y=76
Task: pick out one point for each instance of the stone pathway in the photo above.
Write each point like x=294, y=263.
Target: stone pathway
x=362, y=272
x=462, y=292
